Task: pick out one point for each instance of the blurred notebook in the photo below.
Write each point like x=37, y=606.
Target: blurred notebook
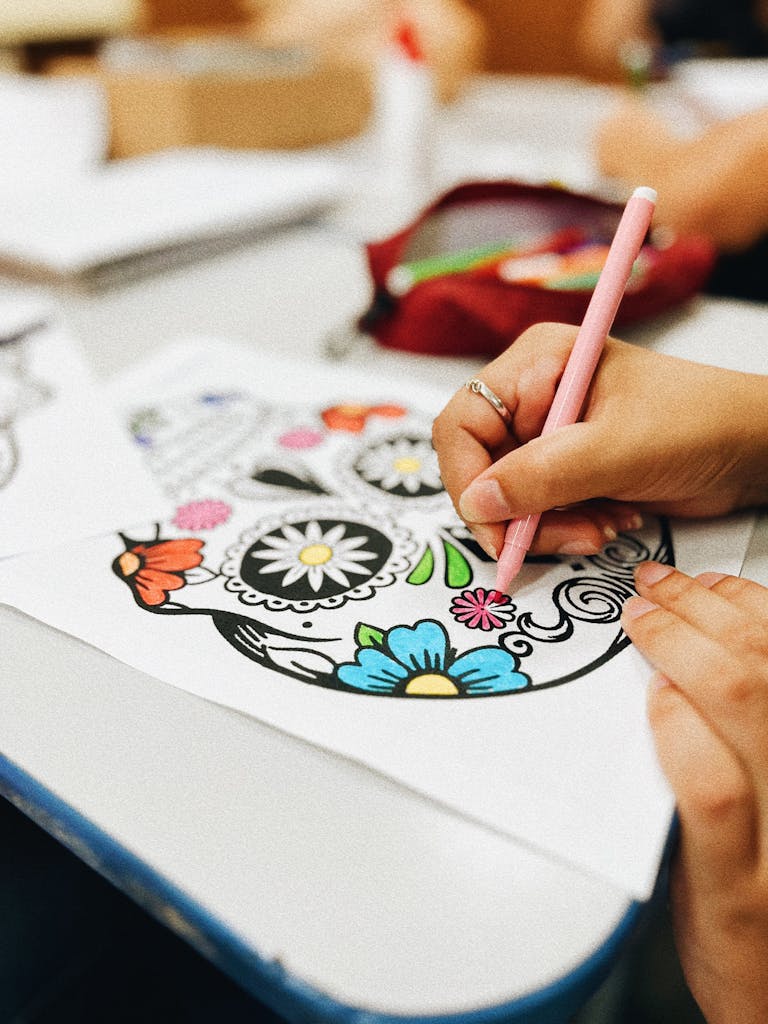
x=133, y=216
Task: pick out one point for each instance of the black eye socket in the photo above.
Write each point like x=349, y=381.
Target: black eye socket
x=404, y=465
x=314, y=559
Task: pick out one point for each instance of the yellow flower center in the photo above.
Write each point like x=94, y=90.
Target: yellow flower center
x=129, y=563
x=316, y=554
x=353, y=410
x=432, y=684
x=407, y=464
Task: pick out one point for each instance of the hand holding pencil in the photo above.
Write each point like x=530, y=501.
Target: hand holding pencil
x=656, y=434
x=582, y=362
x=661, y=435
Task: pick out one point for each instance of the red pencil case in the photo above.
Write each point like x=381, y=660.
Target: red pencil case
x=477, y=313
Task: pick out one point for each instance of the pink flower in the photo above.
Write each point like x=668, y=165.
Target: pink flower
x=301, y=437
x=202, y=515
x=483, y=609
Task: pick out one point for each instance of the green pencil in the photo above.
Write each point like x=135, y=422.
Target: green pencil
x=404, y=276
x=575, y=282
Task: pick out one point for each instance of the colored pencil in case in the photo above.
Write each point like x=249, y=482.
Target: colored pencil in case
x=404, y=276
x=587, y=279
x=572, y=283
x=550, y=245
x=572, y=271
x=480, y=259
x=550, y=269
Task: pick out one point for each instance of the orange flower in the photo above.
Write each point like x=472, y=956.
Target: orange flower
x=352, y=417
x=155, y=568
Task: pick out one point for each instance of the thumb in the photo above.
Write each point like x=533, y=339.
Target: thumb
x=571, y=464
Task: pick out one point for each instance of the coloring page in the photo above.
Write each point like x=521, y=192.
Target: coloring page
x=315, y=575
x=66, y=469
x=20, y=393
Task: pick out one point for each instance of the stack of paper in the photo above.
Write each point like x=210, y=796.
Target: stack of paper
x=130, y=216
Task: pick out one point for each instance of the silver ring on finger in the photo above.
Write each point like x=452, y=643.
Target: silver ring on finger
x=479, y=387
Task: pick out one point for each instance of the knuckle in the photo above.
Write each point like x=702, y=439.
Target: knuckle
x=649, y=631
x=662, y=714
x=537, y=332
x=730, y=587
x=440, y=431
x=662, y=707
x=675, y=589
x=547, y=335
x=718, y=797
x=746, y=635
x=740, y=687
x=446, y=430
x=746, y=594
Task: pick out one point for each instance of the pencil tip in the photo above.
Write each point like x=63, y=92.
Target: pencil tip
x=510, y=563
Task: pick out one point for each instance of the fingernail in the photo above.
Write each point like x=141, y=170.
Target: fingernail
x=609, y=533
x=637, y=606
x=484, y=537
x=650, y=573
x=709, y=579
x=633, y=522
x=578, y=547
x=483, y=502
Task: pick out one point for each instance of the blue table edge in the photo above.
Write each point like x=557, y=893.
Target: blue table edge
x=268, y=980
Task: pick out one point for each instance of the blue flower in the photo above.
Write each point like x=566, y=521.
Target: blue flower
x=418, y=661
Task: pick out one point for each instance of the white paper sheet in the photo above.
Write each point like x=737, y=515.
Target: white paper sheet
x=50, y=128
x=315, y=576
x=67, y=470
x=150, y=204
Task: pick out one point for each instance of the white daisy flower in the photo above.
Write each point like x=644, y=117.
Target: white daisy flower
x=406, y=463
x=314, y=554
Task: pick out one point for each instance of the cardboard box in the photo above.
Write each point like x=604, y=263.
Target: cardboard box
x=151, y=112
x=289, y=100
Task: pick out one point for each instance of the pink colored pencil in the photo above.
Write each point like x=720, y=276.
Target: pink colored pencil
x=584, y=357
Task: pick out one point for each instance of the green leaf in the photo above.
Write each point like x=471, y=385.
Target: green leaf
x=368, y=636
x=424, y=569
x=458, y=572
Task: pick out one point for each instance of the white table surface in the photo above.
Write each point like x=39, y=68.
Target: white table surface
x=360, y=888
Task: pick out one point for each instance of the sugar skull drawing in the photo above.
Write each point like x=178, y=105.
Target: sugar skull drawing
x=322, y=546
x=19, y=393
